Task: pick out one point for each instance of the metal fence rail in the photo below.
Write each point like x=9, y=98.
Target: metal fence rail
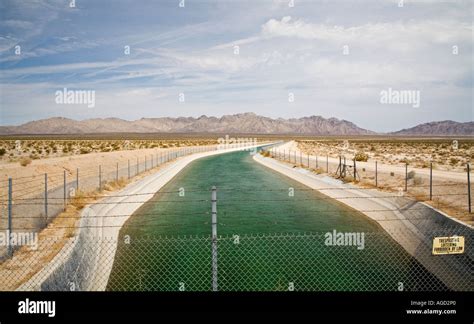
x=268, y=262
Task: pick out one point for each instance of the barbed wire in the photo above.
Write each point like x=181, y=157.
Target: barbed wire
x=249, y=190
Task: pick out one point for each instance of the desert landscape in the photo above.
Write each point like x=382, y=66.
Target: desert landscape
x=449, y=154
x=312, y=151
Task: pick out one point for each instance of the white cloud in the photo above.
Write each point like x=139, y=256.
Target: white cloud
x=394, y=33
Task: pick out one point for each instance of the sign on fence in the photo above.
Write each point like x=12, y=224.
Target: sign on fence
x=448, y=245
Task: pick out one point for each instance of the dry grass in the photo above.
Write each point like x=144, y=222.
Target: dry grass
x=25, y=262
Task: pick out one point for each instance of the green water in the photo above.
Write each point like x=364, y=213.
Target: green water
x=262, y=244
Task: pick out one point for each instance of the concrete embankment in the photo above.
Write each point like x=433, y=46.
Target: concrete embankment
x=410, y=223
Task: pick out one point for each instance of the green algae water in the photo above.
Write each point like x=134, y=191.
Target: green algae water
x=271, y=237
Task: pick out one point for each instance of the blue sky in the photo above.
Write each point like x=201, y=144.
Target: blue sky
x=282, y=50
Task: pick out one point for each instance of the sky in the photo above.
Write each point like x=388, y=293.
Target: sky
x=276, y=58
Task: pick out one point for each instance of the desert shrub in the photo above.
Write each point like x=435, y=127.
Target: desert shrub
x=79, y=200
x=411, y=174
x=2, y=151
x=348, y=179
x=318, y=170
x=425, y=164
x=454, y=161
x=24, y=161
x=405, y=161
x=361, y=157
x=417, y=181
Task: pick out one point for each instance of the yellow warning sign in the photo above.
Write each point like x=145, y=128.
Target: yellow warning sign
x=448, y=245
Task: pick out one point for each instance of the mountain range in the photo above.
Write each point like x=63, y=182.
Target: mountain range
x=245, y=123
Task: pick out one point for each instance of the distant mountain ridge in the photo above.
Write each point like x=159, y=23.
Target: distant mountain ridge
x=245, y=123
x=446, y=127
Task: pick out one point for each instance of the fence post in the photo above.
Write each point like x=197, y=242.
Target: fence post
x=340, y=167
x=355, y=170
x=77, y=179
x=406, y=176
x=46, y=195
x=129, y=169
x=64, y=189
x=469, y=187
x=214, y=237
x=327, y=163
x=345, y=166
x=431, y=180
x=100, y=178
x=116, y=172
x=10, y=198
x=376, y=175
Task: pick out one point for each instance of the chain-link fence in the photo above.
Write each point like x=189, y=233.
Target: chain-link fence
x=31, y=203
x=371, y=261
x=448, y=191
x=400, y=256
